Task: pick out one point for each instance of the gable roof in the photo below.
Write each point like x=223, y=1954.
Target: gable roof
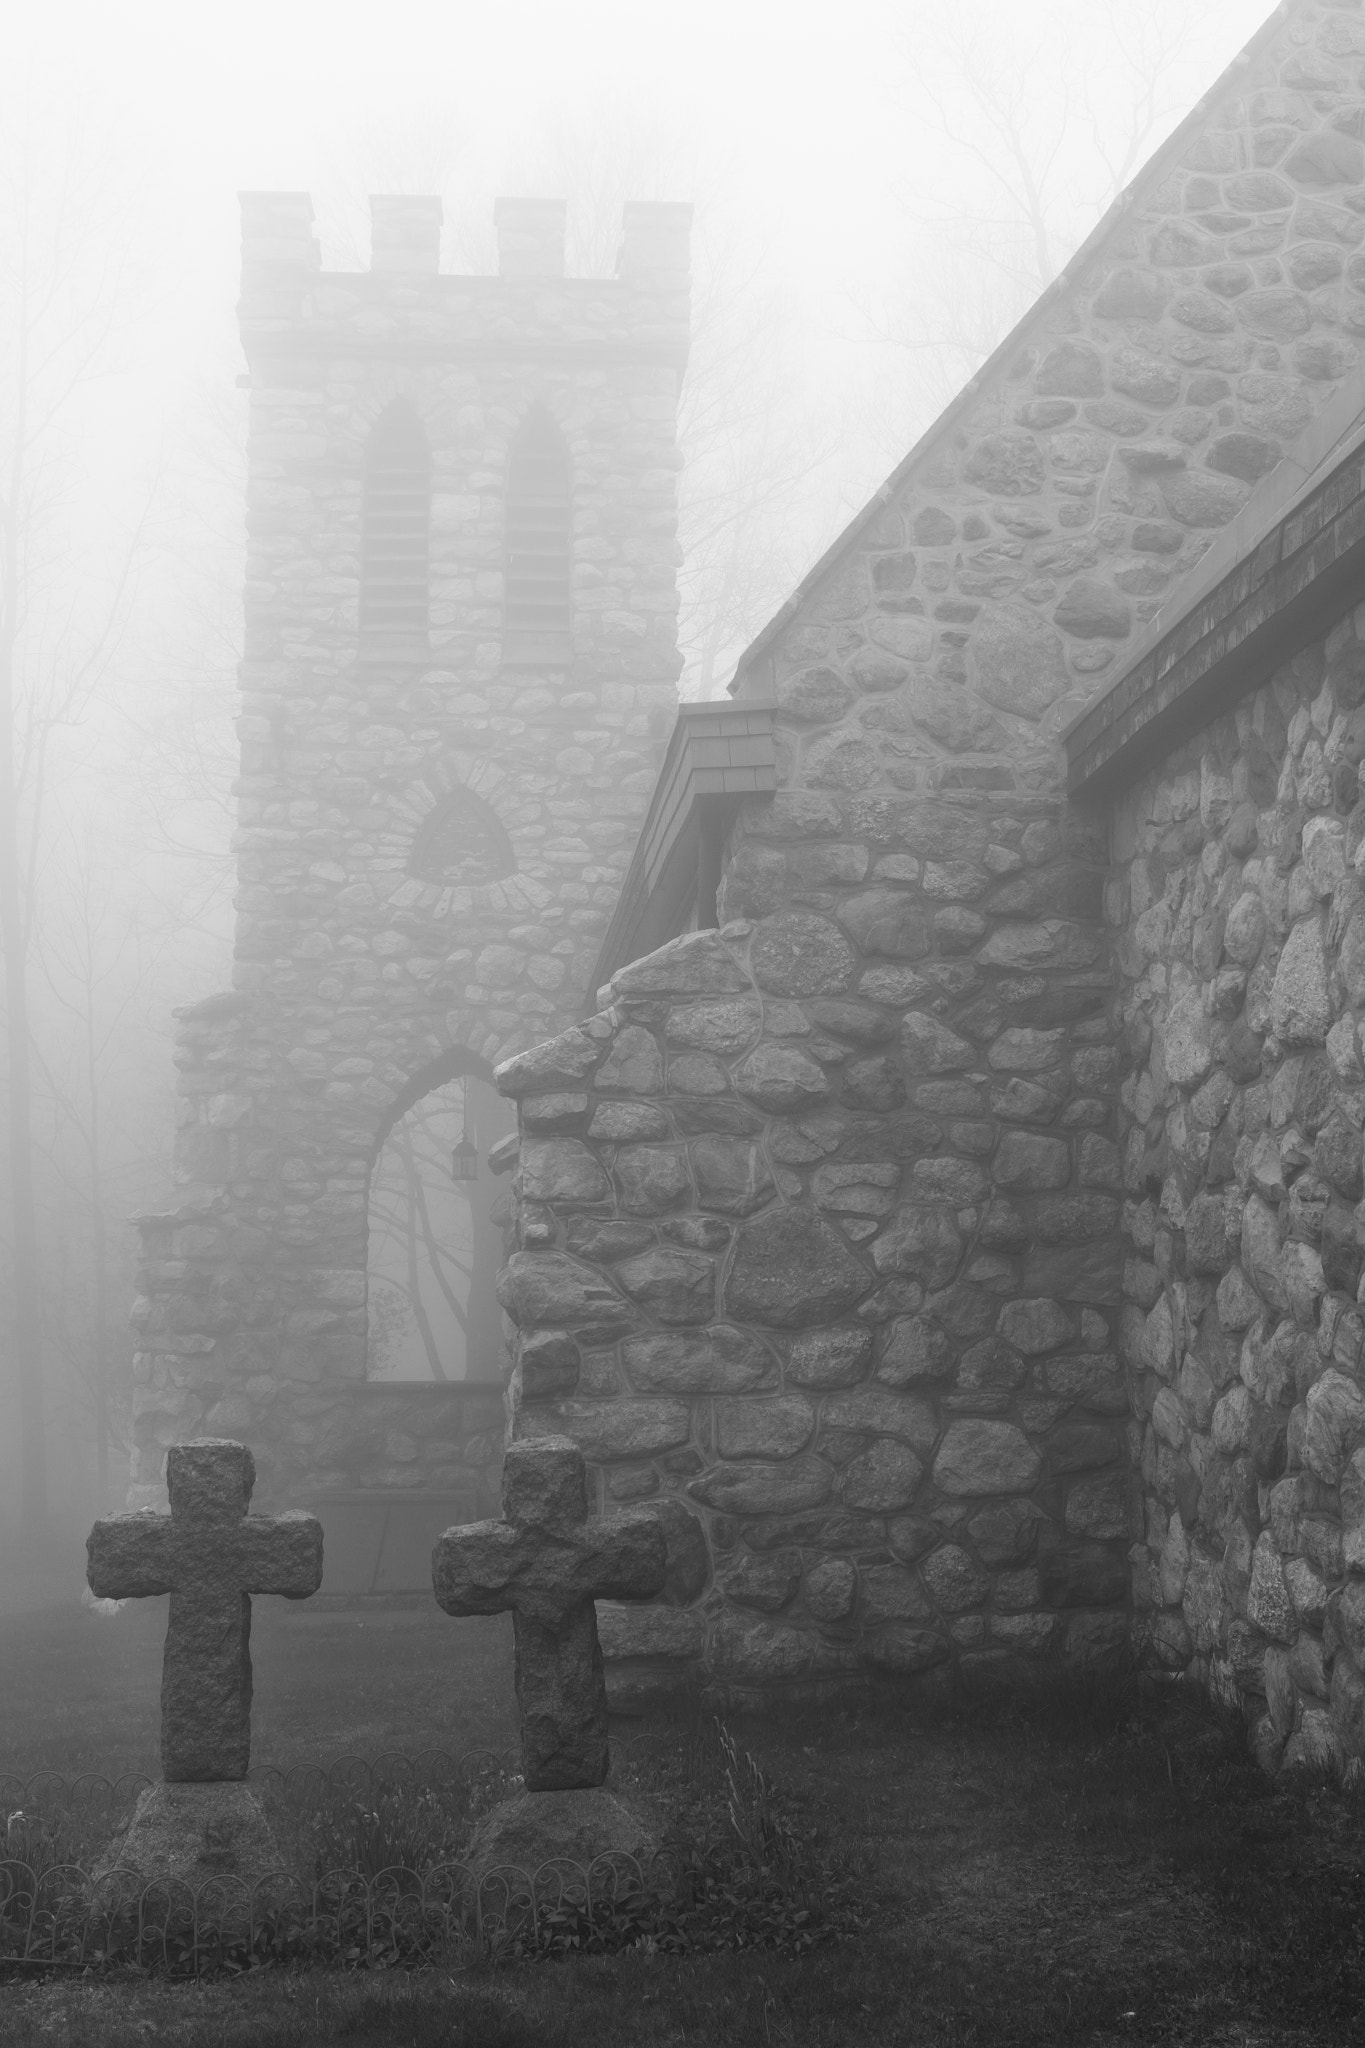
x=1163, y=159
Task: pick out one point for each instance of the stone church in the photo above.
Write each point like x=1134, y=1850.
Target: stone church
x=937, y=1069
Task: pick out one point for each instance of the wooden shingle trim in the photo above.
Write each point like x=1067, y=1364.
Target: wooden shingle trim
x=717, y=754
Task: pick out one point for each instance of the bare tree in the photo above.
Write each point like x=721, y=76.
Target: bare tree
x=56, y=315
x=95, y=970
x=178, y=746
x=421, y=1264
x=412, y=1207
x=1042, y=111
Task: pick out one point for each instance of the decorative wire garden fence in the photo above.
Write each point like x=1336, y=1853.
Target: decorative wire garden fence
x=60, y=1914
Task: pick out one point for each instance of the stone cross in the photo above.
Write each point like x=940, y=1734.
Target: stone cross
x=547, y=1562
x=210, y=1555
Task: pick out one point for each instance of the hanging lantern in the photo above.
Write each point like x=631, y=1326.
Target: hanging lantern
x=464, y=1160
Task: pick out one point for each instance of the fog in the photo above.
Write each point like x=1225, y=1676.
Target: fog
x=880, y=191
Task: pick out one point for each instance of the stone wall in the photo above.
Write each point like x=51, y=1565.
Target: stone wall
x=360, y=979
x=1239, y=925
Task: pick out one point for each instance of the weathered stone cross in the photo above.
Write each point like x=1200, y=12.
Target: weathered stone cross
x=548, y=1563
x=210, y=1555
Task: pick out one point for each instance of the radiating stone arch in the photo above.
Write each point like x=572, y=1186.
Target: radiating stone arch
x=513, y=806
x=461, y=842
x=450, y=1065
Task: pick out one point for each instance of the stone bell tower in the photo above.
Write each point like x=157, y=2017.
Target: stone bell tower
x=460, y=667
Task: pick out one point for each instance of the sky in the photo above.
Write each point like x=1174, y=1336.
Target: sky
x=802, y=114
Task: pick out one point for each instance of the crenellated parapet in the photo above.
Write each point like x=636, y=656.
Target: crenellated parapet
x=290, y=304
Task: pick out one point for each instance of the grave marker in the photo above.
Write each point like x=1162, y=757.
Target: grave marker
x=210, y=1555
x=548, y=1562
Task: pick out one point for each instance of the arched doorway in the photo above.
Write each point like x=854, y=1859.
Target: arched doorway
x=421, y=1446
x=436, y=1217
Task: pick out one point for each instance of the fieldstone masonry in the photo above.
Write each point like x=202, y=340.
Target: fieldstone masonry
x=362, y=977
x=1239, y=916
x=821, y=1217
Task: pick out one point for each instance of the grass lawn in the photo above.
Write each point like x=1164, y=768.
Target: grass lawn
x=1088, y=1869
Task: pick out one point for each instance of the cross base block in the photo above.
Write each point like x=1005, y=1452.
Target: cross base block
x=199, y=1834
x=544, y=1827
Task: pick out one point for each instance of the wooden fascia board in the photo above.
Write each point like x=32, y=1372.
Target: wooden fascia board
x=1285, y=592
x=717, y=754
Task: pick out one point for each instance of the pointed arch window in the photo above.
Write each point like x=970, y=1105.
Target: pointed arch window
x=396, y=537
x=462, y=842
x=537, y=613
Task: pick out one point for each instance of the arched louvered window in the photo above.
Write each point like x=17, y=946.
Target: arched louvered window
x=536, y=603
x=393, y=573
x=461, y=842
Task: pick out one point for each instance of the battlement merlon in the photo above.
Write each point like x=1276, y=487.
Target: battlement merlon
x=404, y=307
